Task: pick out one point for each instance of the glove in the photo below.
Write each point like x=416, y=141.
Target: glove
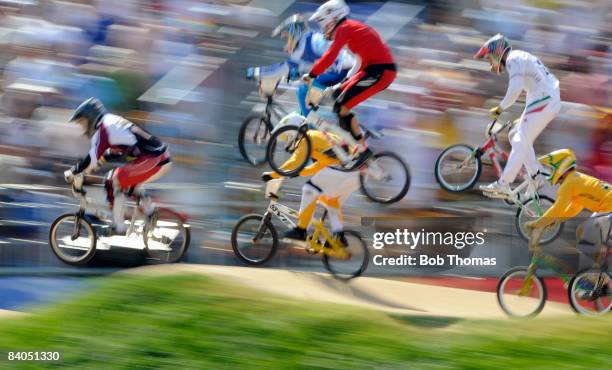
x=69, y=176
x=266, y=176
x=529, y=226
x=495, y=112
x=306, y=78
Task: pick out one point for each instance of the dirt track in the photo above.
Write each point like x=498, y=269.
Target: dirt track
x=374, y=293
x=9, y=314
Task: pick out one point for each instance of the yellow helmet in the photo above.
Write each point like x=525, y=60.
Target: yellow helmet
x=561, y=161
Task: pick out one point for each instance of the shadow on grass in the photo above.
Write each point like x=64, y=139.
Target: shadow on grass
x=431, y=322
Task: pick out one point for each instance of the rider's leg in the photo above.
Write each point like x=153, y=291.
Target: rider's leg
x=357, y=89
x=531, y=125
x=338, y=187
x=310, y=194
x=334, y=210
x=301, y=93
x=116, y=201
x=131, y=175
x=146, y=204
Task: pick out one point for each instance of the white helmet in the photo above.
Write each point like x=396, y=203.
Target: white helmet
x=328, y=14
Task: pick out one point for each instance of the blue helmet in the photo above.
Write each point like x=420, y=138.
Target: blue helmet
x=92, y=109
x=292, y=30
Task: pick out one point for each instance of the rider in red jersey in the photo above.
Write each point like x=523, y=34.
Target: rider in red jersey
x=376, y=71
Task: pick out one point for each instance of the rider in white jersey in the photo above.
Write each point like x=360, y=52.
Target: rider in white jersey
x=305, y=47
x=526, y=73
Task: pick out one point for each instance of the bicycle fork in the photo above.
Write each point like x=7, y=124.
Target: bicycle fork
x=76, y=229
x=262, y=227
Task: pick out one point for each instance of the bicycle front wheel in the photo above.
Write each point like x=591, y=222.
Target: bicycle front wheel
x=531, y=210
x=457, y=168
x=387, y=178
x=254, y=240
x=74, y=243
x=590, y=292
x=253, y=139
x=289, y=142
x=353, y=263
x=521, y=295
x=166, y=238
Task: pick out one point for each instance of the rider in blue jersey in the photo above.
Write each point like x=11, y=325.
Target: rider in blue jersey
x=306, y=47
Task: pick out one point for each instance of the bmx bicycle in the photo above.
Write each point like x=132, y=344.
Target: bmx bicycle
x=522, y=293
x=74, y=236
x=384, y=176
x=255, y=239
x=459, y=167
x=256, y=129
x=590, y=290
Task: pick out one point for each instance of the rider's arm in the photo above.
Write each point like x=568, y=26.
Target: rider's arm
x=277, y=71
x=515, y=84
x=90, y=161
x=340, y=39
x=564, y=207
x=296, y=158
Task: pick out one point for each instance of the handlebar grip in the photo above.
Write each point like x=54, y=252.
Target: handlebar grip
x=491, y=125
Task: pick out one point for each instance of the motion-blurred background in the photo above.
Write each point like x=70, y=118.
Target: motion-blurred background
x=177, y=68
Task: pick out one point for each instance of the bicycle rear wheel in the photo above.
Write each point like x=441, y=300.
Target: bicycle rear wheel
x=166, y=238
x=583, y=296
x=457, y=168
x=253, y=139
x=283, y=143
x=354, y=264
x=387, y=178
x=73, y=243
x=531, y=210
x=521, y=297
x=254, y=240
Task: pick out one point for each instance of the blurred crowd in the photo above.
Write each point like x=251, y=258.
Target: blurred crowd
x=170, y=64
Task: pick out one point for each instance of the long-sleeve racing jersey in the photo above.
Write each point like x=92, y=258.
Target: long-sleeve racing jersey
x=117, y=136
x=527, y=73
x=577, y=192
x=310, y=48
x=321, y=154
x=362, y=40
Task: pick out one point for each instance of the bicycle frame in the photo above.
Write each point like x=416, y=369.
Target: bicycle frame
x=273, y=110
x=561, y=270
x=313, y=98
x=85, y=202
x=492, y=149
x=286, y=215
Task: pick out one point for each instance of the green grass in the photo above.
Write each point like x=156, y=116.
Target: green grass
x=183, y=321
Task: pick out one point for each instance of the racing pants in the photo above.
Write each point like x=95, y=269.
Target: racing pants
x=534, y=119
x=127, y=180
x=333, y=187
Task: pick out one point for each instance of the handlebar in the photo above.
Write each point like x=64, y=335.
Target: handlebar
x=316, y=93
x=503, y=127
x=80, y=180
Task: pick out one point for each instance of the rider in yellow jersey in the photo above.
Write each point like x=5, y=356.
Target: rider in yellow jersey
x=576, y=192
x=333, y=184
